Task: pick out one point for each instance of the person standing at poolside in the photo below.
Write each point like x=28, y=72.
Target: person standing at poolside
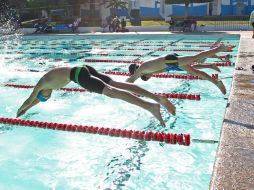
x=175, y=62
x=90, y=79
x=251, y=21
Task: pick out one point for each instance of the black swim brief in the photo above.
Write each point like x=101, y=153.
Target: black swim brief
x=89, y=78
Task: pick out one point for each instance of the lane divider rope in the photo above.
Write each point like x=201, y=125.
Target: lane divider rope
x=168, y=95
x=127, y=48
x=222, y=64
x=160, y=43
x=175, y=76
x=140, y=62
x=90, y=54
x=170, y=138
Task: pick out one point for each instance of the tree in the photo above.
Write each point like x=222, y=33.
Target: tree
x=186, y=3
x=115, y=4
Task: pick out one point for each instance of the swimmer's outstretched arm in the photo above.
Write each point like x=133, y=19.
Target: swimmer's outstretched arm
x=27, y=108
x=133, y=77
x=30, y=101
x=148, y=67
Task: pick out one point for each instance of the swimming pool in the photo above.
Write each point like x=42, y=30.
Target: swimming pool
x=34, y=158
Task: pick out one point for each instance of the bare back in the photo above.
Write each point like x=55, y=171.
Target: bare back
x=56, y=78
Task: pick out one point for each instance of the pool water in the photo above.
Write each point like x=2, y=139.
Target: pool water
x=34, y=158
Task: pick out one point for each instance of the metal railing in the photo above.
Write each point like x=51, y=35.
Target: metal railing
x=232, y=25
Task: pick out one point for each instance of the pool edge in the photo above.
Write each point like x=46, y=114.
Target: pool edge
x=233, y=167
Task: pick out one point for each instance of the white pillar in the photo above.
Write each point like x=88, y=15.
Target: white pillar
x=162, y=8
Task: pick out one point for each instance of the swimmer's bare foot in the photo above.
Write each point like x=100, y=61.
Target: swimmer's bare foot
x=155, y=110
x=221, y=87
x=226, y=48
x=167, y=104
x=214, y=67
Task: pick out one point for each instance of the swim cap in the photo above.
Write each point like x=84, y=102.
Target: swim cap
x=133, y=67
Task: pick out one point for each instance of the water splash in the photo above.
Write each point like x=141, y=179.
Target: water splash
x=9, y=20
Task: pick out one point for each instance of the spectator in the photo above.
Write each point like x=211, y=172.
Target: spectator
x=186, y=25
x=104, y=24
x=111, y=26
x=74, y=26
x=171, y=24
x=42, y=26
x=116, y=23
x=193, y=25
x=123, y=24
x=252, y=22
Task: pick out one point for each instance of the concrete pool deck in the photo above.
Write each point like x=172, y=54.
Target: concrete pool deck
x=234, y=162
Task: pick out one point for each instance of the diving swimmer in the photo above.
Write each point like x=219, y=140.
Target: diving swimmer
x=90, y=79
x=175, y=62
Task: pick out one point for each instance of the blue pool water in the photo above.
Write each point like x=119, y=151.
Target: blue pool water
x=33, y=158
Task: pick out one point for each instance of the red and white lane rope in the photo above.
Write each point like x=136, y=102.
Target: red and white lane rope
x=168, y=95
x=181, y=139
x=83, y=53
x=175, y=76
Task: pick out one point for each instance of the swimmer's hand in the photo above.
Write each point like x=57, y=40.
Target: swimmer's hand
x=20, y=112
x=167, y=104
x=225, y=48
x=221, y=86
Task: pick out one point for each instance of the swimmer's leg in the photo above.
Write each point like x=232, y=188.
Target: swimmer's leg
x=130, y=98
x=208, y=66
x=140, y=91
x=205, y=76
x=97, y=85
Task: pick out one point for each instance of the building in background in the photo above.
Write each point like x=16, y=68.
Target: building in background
x=93, y=11
x=158, y=8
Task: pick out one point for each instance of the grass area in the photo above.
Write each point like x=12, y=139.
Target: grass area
x=162, y=23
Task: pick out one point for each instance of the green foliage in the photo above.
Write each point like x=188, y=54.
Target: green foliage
x=115, y=4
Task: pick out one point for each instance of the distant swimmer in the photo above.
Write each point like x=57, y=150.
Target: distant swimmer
x=179, y=63
x=90, y=79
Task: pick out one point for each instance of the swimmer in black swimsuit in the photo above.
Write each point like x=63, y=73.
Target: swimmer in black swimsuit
x=175, y=62
x=89, y=78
